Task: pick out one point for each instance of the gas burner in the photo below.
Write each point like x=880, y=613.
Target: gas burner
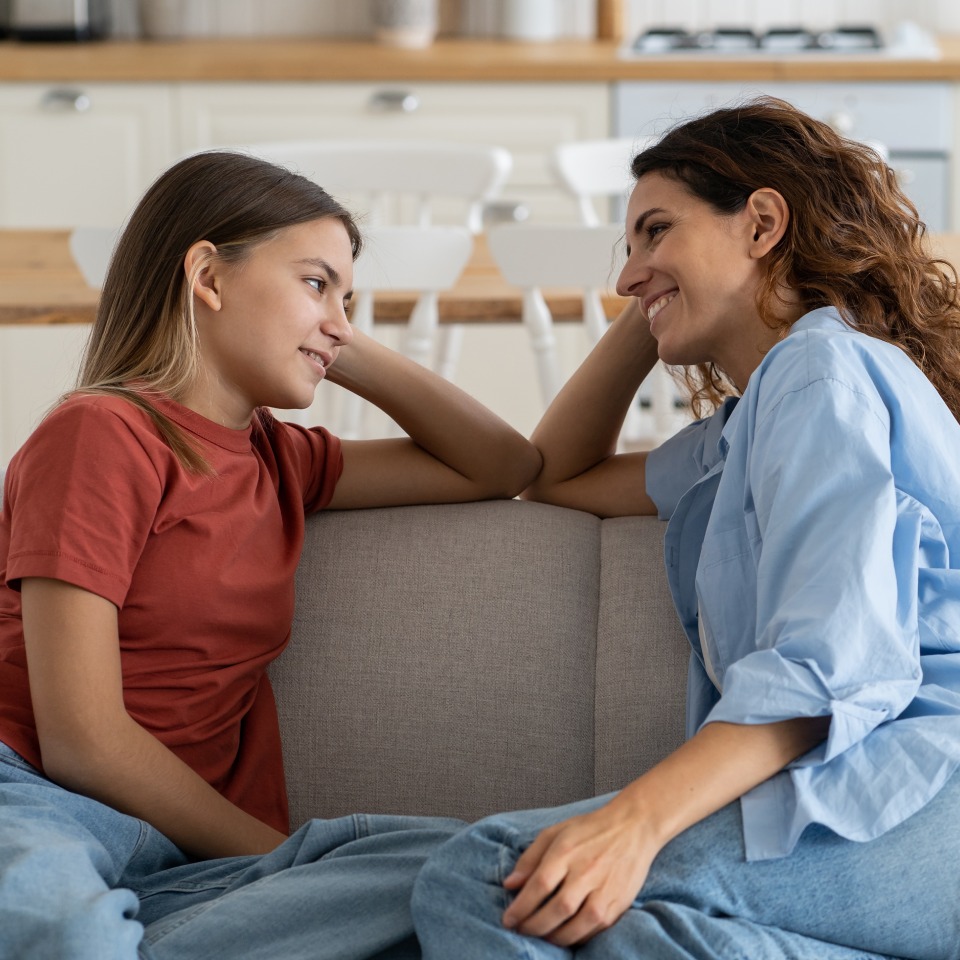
x=841, y=39
x=668, y=39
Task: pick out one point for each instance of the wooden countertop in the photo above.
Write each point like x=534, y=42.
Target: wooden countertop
x=270, y=59
x=40, y=284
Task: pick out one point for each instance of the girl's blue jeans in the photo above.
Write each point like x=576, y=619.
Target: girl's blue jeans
x=831, y=899
x=80, y=881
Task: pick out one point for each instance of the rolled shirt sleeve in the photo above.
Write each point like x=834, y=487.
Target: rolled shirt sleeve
x=828, y=584
x=836, y=621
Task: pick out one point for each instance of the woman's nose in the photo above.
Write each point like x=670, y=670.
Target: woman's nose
x=632, y=277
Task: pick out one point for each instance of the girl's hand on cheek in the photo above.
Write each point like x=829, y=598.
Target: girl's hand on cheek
x=578, y=877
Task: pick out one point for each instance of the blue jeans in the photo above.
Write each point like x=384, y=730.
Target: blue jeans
x=831, y=899
x=80, y=881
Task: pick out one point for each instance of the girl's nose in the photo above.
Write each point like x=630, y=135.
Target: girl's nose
x=338, y=327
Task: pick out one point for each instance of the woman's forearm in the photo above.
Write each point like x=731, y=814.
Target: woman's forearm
x=582, y=424
x=717, y=766
x=578, y=434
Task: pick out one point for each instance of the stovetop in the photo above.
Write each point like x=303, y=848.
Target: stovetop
x=906, y=41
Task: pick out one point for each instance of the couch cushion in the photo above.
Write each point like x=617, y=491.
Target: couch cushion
x=642, y=655
x=442, y=660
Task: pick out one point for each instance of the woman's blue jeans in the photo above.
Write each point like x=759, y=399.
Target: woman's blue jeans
x=831, y=899
x=79, y=881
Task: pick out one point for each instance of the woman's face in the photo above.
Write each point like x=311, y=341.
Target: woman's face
x=271, y=324
x=695, y=274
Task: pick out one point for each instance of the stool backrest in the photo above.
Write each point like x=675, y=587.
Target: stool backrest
x=399, y=180
x=595, y=169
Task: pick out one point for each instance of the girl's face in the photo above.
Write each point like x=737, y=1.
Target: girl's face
x=696, y=274
x=271, y=324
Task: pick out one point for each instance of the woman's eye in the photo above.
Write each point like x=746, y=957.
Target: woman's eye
x=655, y=229
x=318, y=283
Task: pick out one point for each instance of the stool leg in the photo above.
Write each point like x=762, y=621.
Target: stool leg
x=593, y=315
x=451, y=346
x=421, y=329
x=539, y=323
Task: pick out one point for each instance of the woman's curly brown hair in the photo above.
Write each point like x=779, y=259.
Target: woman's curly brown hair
x=854, y=241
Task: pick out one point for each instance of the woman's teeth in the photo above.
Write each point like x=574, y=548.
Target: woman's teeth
x=658, y=305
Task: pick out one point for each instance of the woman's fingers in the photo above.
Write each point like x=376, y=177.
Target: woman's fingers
x=577, y=878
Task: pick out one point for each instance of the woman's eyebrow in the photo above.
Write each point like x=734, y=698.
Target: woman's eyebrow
x=322, y=264
x=642, y=219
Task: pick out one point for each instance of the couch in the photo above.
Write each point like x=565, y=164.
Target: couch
x=463, y=659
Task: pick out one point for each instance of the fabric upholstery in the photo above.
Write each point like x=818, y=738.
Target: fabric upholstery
x=463, y=659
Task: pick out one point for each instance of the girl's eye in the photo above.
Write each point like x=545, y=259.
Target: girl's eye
x=318, y=283
x=655, y=229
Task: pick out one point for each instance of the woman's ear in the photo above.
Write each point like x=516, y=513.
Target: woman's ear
x=769, y=215
x=200, y=266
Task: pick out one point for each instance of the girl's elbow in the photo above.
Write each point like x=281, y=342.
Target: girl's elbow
x=509, y=474
x=524, y=469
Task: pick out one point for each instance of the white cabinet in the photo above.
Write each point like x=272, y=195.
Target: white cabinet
x=526, y=119
x=80, y=153
x=69, y=154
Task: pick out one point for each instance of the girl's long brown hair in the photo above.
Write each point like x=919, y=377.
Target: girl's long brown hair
x=144, y=339
x=854, y=241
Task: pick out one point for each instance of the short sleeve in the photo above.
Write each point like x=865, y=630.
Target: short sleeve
x=678, y=463
x=313, y=456
x=82, y=498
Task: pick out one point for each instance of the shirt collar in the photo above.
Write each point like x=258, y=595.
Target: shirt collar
x=823, y=318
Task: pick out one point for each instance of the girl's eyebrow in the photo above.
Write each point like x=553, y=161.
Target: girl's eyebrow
x=322, y=264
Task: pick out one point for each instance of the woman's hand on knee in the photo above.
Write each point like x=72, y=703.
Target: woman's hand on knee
x=579, y=876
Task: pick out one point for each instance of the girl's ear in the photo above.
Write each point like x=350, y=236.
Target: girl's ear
x=770, y=216
x=201, y=267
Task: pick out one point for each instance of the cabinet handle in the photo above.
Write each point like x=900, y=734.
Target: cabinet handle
x=505, y=211
x=62, y=98
x=395, y=101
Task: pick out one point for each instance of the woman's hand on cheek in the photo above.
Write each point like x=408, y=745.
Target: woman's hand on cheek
x=579, y=876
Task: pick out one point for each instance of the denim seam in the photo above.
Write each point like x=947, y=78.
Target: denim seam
x=167, y=926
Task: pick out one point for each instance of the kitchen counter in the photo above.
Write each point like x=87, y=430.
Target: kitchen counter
x=446, y=61
x=41, y=285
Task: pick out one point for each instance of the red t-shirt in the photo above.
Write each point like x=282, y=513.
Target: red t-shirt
x=200, y=568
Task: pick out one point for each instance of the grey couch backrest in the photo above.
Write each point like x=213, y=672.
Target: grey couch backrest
x=457, y=660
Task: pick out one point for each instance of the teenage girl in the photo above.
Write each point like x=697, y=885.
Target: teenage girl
x=150, y=531
x=813, y=552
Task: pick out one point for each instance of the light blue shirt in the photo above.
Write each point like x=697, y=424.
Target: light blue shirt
x=814, y=545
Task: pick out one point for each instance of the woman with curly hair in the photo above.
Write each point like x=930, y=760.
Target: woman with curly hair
x=813, y=553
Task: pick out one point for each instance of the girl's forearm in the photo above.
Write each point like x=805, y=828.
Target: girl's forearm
x=445, y=421
x=134, y=773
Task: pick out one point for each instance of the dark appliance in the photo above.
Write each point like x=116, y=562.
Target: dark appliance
x=59, y=20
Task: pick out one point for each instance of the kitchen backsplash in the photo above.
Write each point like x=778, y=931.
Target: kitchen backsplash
x=334, y=18
x=574, y=18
